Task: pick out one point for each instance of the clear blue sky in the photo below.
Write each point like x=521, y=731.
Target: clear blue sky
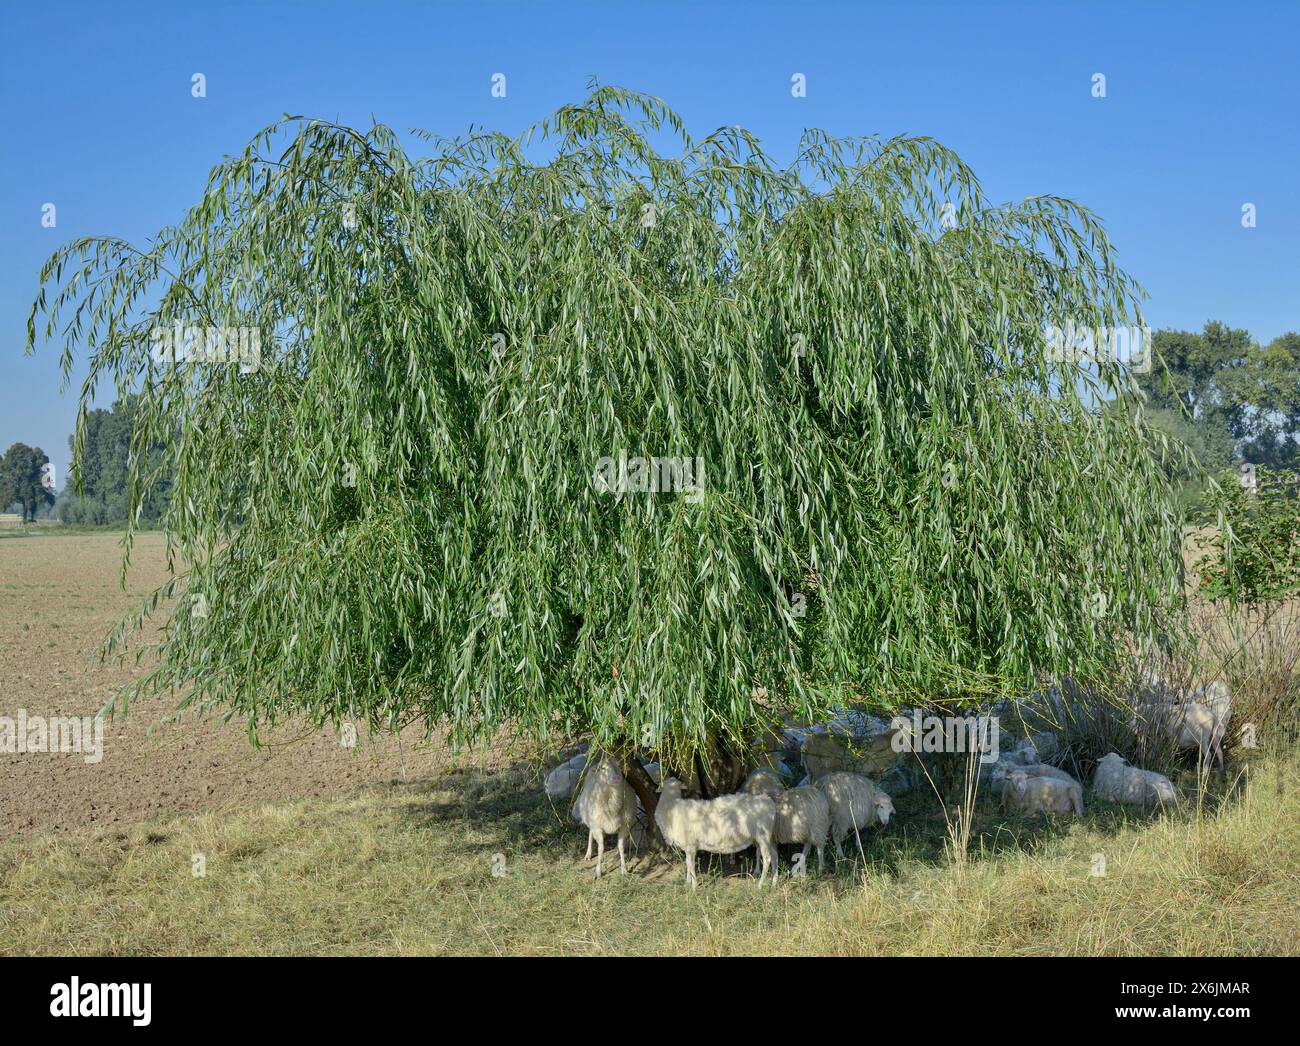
x=1201, y=116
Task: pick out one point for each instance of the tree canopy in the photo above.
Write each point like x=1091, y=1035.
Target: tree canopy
x=21, y=479
x=1224, y=394
x=100, y=491
x=403, y=511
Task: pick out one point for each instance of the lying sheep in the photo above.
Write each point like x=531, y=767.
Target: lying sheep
x=607, y=805
x=763, y=781
x=1002, y=775
x=1119, y=782
x=769, y=747
x=803, y=815
x=561, y=781
x=855, y=802
x=1023, y=754
x=725, y=825
x=1046, y=795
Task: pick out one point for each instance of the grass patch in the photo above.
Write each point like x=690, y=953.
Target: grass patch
x=409, y=870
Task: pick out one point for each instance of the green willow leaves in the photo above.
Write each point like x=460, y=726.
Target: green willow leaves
x=394, y=515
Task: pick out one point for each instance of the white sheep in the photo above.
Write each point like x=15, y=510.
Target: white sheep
x=1194, y=725
x=1024, y=754
x=803, y=815
x=725, y=825
x=1046, y=744
x=763, y=781
x=561, y=781
x=607, y=805
x=856, y=802
x=1002, y=774
x=1047, y=795
x=1119, y=782
x=1217, y=698
x=823, y=753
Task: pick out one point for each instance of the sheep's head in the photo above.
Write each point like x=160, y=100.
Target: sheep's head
x=671, y=789
x=1018, y=782
x=1114, y=759
x=884, y=809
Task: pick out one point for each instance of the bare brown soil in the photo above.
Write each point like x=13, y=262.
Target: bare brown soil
x=59, y=597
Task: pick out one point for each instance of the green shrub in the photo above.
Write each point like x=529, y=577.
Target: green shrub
x=1255, y=552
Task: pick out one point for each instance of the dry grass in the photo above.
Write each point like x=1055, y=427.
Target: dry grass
x=394, y=869
x=409, y=871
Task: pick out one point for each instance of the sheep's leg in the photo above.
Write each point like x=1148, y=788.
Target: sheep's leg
x=600, y=852
x=806, y=848
x=820, y=849
x=839, y=847
x=690, y=868
x=591, y=839
x=622, y=860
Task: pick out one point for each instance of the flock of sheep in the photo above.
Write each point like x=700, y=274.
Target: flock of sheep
x=763, y=814
x=832, y=804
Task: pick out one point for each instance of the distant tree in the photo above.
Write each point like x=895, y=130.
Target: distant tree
x=1225, y=396
x=21, y=479
x=100, y=491
x=1272, y=388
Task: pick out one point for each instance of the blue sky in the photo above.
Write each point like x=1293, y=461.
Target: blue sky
x=1201, y=116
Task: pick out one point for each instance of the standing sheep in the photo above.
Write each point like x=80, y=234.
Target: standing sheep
x=1194, y=725
x=1047, y=795
x=607, y=805
x=803, y=815
x=1119, y=782
x=1217, y=697
x=855, y=802
x=725, y=825
x=763, y=781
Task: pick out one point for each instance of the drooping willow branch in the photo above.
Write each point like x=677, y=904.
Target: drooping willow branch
x=395, y=514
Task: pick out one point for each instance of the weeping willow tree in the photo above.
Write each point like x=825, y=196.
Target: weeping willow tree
x=854, y=472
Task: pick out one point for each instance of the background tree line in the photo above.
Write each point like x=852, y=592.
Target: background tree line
x=1226, y=396
x=103, y=469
